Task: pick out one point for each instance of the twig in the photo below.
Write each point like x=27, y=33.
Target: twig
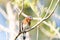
x=3, y=28
x=45, y=31
x=19, y=19
x=3, y=13
x=38, y=14
x=54, y=8
x=48, y=10
x=20, y=12
x=11, y=19
x=22, y=7
x=17, y=35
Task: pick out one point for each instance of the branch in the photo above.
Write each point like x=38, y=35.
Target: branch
x=3, y=28
x=3, y=13
x=18, y=35
x=52, y=27
x=45, y=31
x=22, y=7
x=11, y=19
x=20, y=11
x=48, y=10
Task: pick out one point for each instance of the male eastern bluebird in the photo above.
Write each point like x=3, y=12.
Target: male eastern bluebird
x=26, y=25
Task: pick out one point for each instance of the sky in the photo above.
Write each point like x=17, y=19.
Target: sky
x=2, y=22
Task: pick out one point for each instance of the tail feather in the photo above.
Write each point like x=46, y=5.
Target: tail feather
x=24, y=36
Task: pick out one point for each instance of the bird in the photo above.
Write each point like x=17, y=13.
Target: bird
x=26, y=22
x=23, y=25
x=26, y=25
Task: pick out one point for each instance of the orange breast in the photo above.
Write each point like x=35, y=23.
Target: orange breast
x=25, y=22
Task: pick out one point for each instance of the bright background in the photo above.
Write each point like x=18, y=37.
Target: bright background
x=42, y=36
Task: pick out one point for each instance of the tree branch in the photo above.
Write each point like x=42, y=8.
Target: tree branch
x=48, y=10
x=22, y=7
x=3, y=13
x=4, y=29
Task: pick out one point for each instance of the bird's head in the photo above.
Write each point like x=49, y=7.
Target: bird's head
x=28, y=19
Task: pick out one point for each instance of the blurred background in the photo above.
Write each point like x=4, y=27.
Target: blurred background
x=32, y=8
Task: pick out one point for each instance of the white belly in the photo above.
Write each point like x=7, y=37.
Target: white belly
x=25, y=26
